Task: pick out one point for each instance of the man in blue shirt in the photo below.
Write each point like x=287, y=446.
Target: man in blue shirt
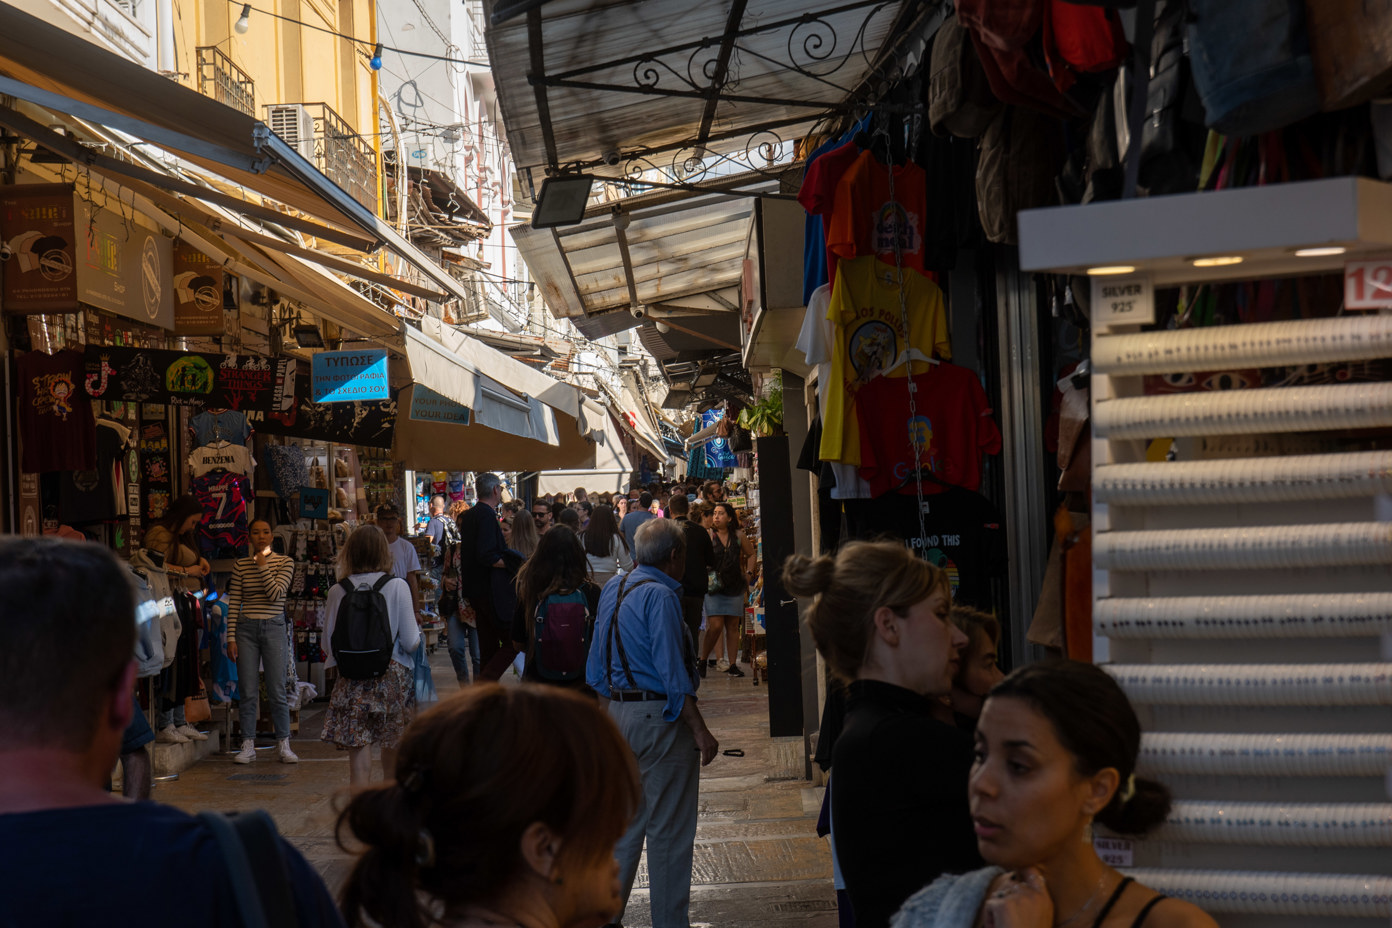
x=631, y=522
x=643, y=662
x=70, y=852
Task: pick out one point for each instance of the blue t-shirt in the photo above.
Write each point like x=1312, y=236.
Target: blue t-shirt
x=228, y=425
x=141, y=865
x=630, y=523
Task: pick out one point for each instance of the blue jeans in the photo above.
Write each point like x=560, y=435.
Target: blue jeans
x=262, y=641
x=463, y=648
x=164, y=718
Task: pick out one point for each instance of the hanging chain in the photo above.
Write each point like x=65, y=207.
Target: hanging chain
x=912, y=425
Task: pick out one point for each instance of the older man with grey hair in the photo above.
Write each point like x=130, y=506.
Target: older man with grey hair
x=642, y=660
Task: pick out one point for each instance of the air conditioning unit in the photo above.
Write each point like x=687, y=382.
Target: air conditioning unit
x=294, y=123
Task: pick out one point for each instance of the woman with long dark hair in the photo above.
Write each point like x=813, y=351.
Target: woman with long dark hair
x=502, y=809
x=558, y=567
x=606, y=549
x=734, y=554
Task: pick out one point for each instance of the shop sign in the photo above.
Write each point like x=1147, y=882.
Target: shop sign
x=350, y=376
x=124, y=267
x=1123, y=301
x=1368, y=284
x=38, y=248
x=429, y=406
x=188, y=378
x=1115, y=852
x=198, y=281
x=370, y=425
x=314, y=503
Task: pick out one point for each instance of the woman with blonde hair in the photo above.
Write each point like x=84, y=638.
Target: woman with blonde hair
x=364, y=712
x=879, y=617
x=502, y=809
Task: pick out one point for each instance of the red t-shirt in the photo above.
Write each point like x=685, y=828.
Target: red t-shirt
x=953, y=428
x=55, y=413
x=866, y=220
x=818, y=191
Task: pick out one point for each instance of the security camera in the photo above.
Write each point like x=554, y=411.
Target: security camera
x=638, y=311
x=612, y=158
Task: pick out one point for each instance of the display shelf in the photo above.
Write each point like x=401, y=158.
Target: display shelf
x=1239, y=596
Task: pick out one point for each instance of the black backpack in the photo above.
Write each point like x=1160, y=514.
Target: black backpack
x=362, y=636
x=562, y=639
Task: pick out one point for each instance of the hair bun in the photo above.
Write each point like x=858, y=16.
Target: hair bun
x=1146, y=810
x=808, y=576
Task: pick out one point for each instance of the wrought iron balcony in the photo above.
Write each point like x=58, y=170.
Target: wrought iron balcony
x=222, y=80
x=327, y=141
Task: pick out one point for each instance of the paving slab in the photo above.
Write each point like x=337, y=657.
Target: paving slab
x=758, y=860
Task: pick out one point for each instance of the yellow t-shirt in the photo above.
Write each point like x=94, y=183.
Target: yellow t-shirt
x=868, y=329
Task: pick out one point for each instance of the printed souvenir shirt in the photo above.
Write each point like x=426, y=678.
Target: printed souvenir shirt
x=869, y=333
x=868, y=218
x=55, y=414
x=950, y=424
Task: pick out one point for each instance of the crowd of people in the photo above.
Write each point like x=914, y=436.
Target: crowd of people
x=957, y=798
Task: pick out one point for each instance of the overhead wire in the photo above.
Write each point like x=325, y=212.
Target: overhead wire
x=365, y=43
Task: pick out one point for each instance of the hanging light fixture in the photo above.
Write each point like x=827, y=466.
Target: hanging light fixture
x=244, y=21
x=376, y=61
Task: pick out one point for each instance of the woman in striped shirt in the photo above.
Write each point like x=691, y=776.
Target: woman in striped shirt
x=256, y=635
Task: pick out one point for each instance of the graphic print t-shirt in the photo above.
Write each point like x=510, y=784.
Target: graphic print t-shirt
x=224, y=497
x=962, y=534
x=868, y=314
x=951, y=424
x=870, y=219
x=222, y=456
x=55, y=414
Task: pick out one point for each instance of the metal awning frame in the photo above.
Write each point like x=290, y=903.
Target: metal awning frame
x=714, y=85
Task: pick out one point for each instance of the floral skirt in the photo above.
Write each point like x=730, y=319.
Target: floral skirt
x=363, y=712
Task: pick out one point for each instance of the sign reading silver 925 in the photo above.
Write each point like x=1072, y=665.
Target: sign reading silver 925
x=1123, y=300
x=350, y=376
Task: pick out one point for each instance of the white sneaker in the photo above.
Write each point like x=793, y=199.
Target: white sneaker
x=191, y=733
x=171, y=735
x=247, y=754
x=287, y=756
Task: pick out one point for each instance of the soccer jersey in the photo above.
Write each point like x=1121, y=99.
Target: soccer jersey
x=873, y=322
x=950, y=425
x=221, y=456
x=224, y=497
x=225, y=425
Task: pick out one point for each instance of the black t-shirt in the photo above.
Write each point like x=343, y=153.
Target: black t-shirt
x=130, y=865
x=90, y=495
x=899, y=806
x=964, y=536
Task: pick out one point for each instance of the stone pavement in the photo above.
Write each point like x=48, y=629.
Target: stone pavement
x=758, y=859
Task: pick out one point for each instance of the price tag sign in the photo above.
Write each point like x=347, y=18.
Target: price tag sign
x=1123, y=301
x=1368, y=284
x=1115, y=852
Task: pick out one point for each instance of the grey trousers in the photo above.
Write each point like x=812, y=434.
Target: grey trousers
x=669, y=766
x=262, y=642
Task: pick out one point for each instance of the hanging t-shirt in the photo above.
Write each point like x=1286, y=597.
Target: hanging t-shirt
x=55, y=413
x=224, y=497
x=225, y=425
x=867, y=220
x=98, y=494
x=962, y=534
x=951, y=424
x=818, y=196
x=221, y=456
x=870, y=304
x=814, y=341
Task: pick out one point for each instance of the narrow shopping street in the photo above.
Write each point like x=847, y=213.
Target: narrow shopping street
x=758, y=858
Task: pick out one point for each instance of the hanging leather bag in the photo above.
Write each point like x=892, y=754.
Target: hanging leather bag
x=1351, y=44
x=1021, y=154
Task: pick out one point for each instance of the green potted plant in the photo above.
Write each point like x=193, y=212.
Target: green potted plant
x=765, y=417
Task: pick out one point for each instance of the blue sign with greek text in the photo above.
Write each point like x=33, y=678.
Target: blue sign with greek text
x=429, y=406
x=350, y=376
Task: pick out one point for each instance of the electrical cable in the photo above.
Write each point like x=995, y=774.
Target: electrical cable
x=363, y=42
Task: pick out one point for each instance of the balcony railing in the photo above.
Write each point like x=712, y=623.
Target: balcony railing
x=335, y=148
x=226, y=83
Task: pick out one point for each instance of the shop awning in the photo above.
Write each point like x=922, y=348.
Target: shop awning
x=47, y=66
x=663, y=257
x=429, y=445
x=626, y=410
x=596, y=87
x=611, y=472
